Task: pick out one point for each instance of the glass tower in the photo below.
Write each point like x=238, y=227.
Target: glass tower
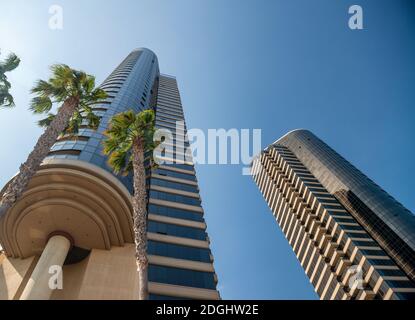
x=130, y=86
x=76, y=195
x=176, y=228
x=353, y=240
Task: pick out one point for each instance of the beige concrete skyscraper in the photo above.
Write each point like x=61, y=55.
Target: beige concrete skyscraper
x=353, y=240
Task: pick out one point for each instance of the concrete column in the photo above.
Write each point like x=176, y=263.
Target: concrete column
x=54, y=254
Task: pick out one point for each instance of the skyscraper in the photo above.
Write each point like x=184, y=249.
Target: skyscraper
x=353, y=240
x=76, y=212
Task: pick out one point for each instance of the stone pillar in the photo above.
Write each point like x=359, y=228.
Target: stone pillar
x=54, y=254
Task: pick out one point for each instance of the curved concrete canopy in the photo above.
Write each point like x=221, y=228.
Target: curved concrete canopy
x=73, y=196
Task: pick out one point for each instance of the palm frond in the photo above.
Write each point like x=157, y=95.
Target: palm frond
x=125, y=130
x=74, y=123
x=6, y=99
x=118, y=160
x=43, y=88
x=93, y=120
x=65, y=83
x=88, y=84
x=4, y=83
x=46, y=121
x=41, y=104
x=10, y=63
x=96, y=96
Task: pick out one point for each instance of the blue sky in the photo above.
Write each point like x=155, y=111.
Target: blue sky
x=274, y=65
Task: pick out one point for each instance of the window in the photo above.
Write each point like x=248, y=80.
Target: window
x=174, y=174
x=181, y=277
x=174, y=185
x=175, y=230
x=174, y=197
x=178, y=251
x=175, y=213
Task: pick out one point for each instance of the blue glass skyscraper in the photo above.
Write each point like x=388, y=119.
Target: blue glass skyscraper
x=75, y=196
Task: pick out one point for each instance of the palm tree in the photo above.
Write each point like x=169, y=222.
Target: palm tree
x=9, y=64
x=130, y=135
x=76, y=91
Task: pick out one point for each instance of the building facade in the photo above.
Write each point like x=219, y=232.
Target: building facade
x=77, y=206
x=353, y=240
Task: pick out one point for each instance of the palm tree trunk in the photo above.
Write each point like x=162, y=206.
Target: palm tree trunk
x=140, y=219
x=28, y=169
